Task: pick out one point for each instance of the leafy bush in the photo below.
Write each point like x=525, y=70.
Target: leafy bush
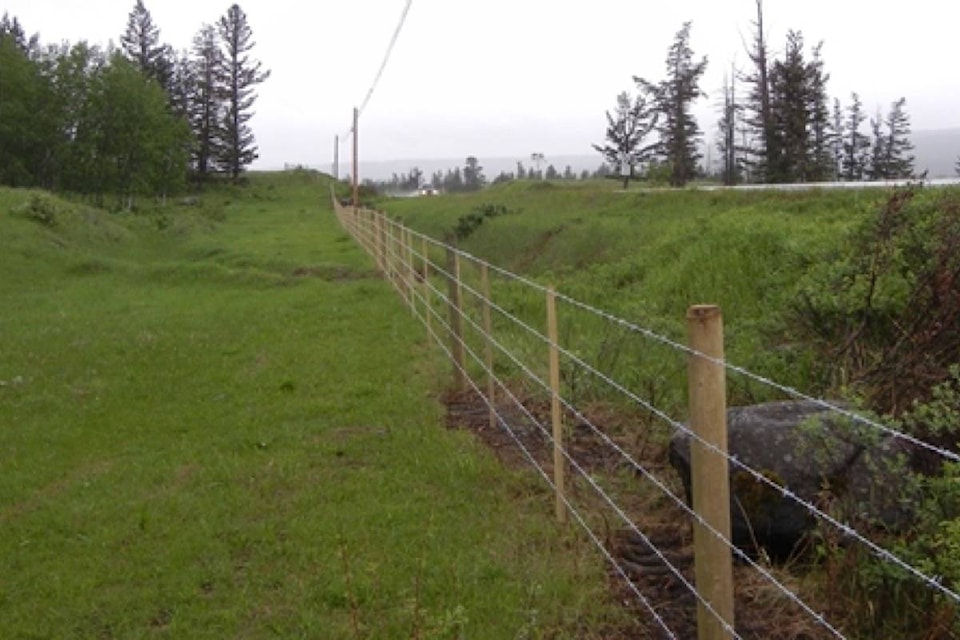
x=41, y=208
x=885, y=316
x=884, y=600
x=467, y=224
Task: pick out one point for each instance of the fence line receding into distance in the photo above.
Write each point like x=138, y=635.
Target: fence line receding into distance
x=502, y=357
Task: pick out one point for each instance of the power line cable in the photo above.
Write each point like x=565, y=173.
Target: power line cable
x=383, y=65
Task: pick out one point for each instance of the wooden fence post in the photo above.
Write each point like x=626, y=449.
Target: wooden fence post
x=456, y=320
x=488, y=350
x=709, y=472
x=411, y=276
x=427, y=305
x=382, y=235
x=555, y=414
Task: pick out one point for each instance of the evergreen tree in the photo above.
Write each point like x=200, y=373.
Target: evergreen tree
x=836, y=139
x=678, y=129
x=731, y=164
x=521, y=172
x=473, y=179
x=236, y=149
x=205, y=106
x=820, y=165
x=856, y=146
x=956, y=167
x=789, y=109
x=876, y=164
x=182, y=89
x=626, y=129
x=762, y=141
x=898, y=161
x=10, y=28
x=141, y=45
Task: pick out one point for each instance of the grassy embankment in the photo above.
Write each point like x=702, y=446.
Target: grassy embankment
x=647, y=256
x=228, y=428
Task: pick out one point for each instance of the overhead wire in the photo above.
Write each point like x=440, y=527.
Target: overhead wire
x=383, y=66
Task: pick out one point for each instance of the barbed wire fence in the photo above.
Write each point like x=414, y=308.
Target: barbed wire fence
x=513, y=369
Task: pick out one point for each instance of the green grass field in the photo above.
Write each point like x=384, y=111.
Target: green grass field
x=217, y=422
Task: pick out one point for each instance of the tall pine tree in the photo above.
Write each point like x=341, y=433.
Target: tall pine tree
x=898, y=161
x=141, y=45
x=856, y=146
x=679, y=132
x=240, y=75
x=205, y=107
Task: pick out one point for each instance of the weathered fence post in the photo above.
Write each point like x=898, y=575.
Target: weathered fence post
x=427, y=305
x=709, y=472
x=555, y=414
x=411, y=276
x=456, y=319
x=488, y=350
x=382, y=242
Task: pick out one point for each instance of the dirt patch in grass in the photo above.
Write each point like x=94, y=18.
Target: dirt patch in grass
x=761, y=609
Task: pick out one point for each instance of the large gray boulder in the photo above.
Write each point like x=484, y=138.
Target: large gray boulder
x=846, y=469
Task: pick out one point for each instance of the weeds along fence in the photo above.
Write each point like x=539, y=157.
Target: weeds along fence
x=530, y=366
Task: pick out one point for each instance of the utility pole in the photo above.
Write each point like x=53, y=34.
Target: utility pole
x=356, y=163
x=336, y=158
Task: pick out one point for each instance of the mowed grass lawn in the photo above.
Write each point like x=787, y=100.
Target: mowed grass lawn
x=231, y=430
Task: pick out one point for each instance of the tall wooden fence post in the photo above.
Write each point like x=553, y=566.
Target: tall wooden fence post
x=427, y=304
x=709, y=472
x=456, y=320
x=555, y=414
x=488, y=346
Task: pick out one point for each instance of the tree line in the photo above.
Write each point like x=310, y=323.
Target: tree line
x=776, y=123
x=470, y=177
x=141, y=119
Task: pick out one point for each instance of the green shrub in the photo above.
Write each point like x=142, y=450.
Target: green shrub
x=41, y=208
x=885, y=315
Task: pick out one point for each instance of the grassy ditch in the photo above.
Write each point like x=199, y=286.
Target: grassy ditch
x=216, y=421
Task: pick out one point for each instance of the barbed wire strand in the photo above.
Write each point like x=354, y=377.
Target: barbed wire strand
x=818, y=617
x=542, y=472
x=654, y=336
x=844, y=528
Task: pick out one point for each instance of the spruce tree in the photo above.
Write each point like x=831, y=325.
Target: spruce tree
x=205, y=107
x=141, y=45
x=898, y=161
x=876, y=164
x=678, y=129
x=731, y=165
x=837, y=130
x=764, y=151
x=237, y=148
x=820, y=164
x=856, y=146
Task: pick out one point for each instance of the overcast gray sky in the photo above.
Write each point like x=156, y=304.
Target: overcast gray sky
x=503, y=78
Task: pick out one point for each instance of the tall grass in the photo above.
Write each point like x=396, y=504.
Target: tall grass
x=646, y=256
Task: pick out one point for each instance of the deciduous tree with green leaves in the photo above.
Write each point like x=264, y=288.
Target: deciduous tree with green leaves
x=627, y=127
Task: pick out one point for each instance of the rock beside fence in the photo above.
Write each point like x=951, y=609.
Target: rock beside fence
x=846, y=469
